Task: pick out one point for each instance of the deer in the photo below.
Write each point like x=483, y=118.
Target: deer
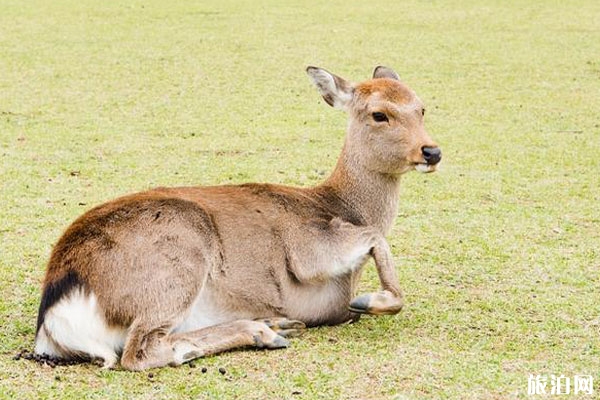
x=168, y=275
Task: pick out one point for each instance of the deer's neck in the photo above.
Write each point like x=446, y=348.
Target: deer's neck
x=374, y=196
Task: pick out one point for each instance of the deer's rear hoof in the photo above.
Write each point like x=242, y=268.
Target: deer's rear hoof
x=277, y=342
x=284, y=327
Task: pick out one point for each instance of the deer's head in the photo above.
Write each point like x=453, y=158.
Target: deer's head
x=386, y=132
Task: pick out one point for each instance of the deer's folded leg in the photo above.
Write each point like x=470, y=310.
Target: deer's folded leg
x=388, y=301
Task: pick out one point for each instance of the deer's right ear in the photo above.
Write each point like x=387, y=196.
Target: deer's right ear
x=337, y=92
x=385, y=72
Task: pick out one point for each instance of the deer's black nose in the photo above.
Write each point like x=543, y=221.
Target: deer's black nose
x=432, y=155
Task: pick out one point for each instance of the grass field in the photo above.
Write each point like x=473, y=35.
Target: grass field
x=498, y=252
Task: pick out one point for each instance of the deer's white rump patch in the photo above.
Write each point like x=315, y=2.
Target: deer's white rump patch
x=76, y=325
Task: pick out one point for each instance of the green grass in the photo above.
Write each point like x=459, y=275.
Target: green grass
x=498, y=252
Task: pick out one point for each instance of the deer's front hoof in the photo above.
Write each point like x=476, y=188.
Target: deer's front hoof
x=380, y=303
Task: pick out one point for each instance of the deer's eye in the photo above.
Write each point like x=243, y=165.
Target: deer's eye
x=379, y=117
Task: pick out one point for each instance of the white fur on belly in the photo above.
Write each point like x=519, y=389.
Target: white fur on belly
x=77, y=325
x=203, y=313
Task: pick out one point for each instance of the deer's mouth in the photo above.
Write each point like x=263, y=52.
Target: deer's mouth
x=425, y=168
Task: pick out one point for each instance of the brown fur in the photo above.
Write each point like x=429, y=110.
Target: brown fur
x=387, y=89
x=252, y=250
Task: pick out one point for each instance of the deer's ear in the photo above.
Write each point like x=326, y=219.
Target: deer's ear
x=385, y=72
x=337, y=92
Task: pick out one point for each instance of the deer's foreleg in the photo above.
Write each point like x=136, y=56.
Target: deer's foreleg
x=389, y=300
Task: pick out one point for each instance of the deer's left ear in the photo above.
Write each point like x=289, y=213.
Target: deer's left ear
x=385, y=72
x=336, y=91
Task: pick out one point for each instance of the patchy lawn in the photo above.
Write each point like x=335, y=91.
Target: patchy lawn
x=498, y=252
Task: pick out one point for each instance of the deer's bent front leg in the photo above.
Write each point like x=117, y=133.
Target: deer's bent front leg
x=390, y=300
x=328, y=250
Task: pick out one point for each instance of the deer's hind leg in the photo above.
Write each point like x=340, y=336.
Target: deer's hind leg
x=151, y=348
